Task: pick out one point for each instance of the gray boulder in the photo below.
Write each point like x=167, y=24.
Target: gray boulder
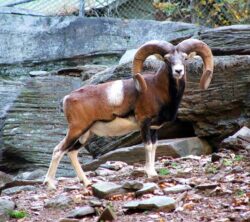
x=5, y=207
x=172, y=147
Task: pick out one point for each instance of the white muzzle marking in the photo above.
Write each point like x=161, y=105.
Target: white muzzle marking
x=178, y=70
x=115, y=93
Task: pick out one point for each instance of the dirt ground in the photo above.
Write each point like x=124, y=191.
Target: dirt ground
x=223, y=195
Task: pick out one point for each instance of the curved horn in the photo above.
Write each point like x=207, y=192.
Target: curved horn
x=202, y=49
x=149, y=48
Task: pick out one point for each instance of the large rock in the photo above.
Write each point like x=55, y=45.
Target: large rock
x=57, y=38
x=240, y=140
x=34, y=125
x=228, y=40
x=172, y=147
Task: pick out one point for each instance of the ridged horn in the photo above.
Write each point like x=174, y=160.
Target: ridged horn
x=202, y=49
x=149, y=48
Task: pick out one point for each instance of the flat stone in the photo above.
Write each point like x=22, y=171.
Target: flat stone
x=5, y=207
x=59, y=201
x=107, y=215
x=68, y=220
x=177, y=189
x=133, y=185
x=14, y=190
x=206, y=186
x=38, y=73
x=81, y=212
x=70, y=188
x=105, y=189
x=147, y=188
x=156, y=202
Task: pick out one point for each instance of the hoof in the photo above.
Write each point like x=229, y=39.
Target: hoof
x=151, y=173
x=87, y=183
x=51, y=184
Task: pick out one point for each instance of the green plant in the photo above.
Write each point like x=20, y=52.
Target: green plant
x=227, y=162
x=240, y=193
x=164, y=171
x=211, y=169
x=17, y=214
x=238, y=158
x=175, y=165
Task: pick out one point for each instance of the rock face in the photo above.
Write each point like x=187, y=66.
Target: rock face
x=52, y=38
x=35, y=124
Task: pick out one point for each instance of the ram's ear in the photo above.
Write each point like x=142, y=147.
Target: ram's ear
x=191, y=55
x=160, y=57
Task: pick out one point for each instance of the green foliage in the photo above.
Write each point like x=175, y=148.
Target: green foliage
x=175, y=165
x=238, y=158
x=17, y=214
x=211, y=168
x=227, y=162
x=206, y=12
x=164, y=171
x=240, y=193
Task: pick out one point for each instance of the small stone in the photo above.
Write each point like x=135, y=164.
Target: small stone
x=215, y=157
x=5, y=207
x=68, y=220
x=38, y=73
x=104, y=172
x=237, y=169
x=18, y=189
x=59, y=201
x=177, y=189
x=206, y=186
x=81, y=212
x=133, y=185
x=107, y=215
x=105, y=189
x=70, y=188
x=156, y=202
x=114, y=165
x=95, y=203
x=147, y=188
x=138, y=173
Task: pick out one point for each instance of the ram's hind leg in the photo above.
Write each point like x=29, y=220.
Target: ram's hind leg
x=59, y=151
x=56, y=158
x=73, y=153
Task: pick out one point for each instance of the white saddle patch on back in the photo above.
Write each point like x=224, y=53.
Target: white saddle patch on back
x=115, y=93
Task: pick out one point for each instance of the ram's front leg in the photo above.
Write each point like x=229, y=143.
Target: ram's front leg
x=150, y=147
